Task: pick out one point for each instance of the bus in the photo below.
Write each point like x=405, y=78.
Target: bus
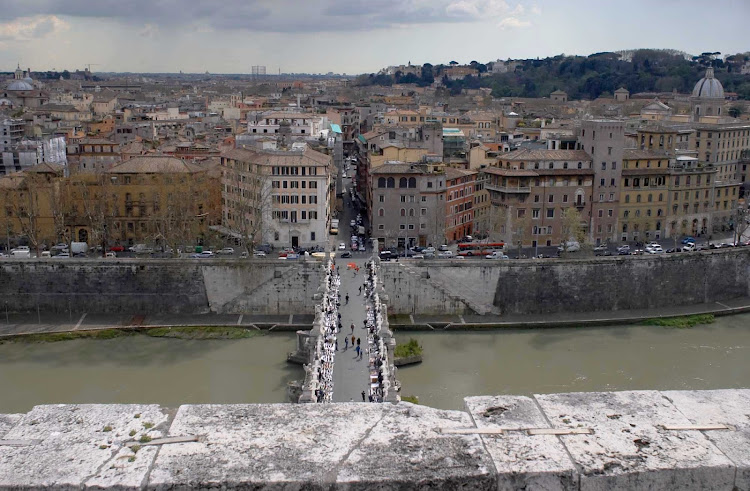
x=479, y=248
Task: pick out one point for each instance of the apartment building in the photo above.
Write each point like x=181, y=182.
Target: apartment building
x=409, y=204
x=533, y=188
x=459, y=202
x=644, y=195
x=280, y=197
x=603, y=140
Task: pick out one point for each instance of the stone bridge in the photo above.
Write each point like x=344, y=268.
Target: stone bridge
x=691, y=440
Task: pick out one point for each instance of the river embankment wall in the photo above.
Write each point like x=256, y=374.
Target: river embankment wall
x=692, y=440
x=171, y=286
x=549, y=286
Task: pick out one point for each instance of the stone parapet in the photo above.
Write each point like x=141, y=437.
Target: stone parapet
x=605, y=440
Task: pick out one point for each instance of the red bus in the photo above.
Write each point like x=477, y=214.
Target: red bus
x=479, y=248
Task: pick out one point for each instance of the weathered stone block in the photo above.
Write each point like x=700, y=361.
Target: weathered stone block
x=522, y=461
x=76, y=445
x=728, y=407
x=628, y=449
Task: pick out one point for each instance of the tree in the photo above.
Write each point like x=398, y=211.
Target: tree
x=520, y=229
x=572, y=228
x=27, y=210
x=251, y=210
x=736, y=111
x=63, y=210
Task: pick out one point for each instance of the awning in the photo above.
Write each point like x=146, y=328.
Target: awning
x=336, y=128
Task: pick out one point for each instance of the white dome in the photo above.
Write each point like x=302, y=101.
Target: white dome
x=709, y=87
x=20, y=85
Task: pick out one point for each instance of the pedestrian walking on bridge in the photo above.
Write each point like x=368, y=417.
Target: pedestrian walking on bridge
x=347, y=299
x=346, y=343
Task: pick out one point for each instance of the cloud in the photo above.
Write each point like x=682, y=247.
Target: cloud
x=30, y=28
x=149, y=31
x=536, y=10
x=266, y=15
x=513, y=23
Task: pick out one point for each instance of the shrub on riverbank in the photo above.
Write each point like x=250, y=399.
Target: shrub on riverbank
x=202, y=332
x=681, y=322
x=181, y=332
x=412, y=348
x=412, y=399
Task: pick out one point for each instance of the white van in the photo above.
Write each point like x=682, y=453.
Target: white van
x=21, y=251
x=570, y=246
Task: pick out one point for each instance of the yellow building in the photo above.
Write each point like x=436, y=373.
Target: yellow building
x=151, y=199
x=644, y=195
x=692, y=193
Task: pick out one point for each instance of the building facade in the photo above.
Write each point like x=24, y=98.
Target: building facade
x=278, y=197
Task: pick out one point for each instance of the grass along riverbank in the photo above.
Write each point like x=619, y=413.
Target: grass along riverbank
x=181, y=332
x=406, y=350
x=681, y=322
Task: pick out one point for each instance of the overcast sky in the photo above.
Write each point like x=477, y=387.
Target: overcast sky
x=349, y=36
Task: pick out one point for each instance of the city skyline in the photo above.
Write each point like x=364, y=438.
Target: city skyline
x=344, y=37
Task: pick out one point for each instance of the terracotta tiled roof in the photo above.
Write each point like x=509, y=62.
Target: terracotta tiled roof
x=155, y=164
x=546, y=155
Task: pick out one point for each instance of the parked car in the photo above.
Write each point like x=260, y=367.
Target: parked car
x=445, y=254
x=345, y=254
x=654, y=249
x=117, y=248
x=342, y=246
x=689, y=247
x=59, y=247
x=466, y=238
x=688, y=240
x=227, y=251
x=258, y=253
x=429, y=250
x=292, y=255
x=110, y=255
x=443, y=247
x=569, y=246
x=45, y=254
x=21, y=251
x=362, y=247
x=62, y=255
x=623, y=250
x=496, y=255
x=203, y=255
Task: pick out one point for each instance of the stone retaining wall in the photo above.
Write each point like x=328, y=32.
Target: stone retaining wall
x=607, y=440
x=566, y=285
x=133, y=286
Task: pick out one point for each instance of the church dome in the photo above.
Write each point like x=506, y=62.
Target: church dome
x=709, y=87
x=20, y=85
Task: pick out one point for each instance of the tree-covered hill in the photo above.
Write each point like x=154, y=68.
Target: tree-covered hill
x=588, y=77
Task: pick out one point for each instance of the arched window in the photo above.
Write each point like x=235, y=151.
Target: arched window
x=412, y=182
x=638, y=199
x=403, y=212
x=661, y=197
x=658, y=225
x=650, y=198
x=391, y=182
x=411, y=212
x=626, y=214
x=381, y=212
x=402, y=182
x=381, y=182
x=658, y=212
x=648, y=213
x=627, y=198
x=551, y=165
x=521, y=166
x=637, y=213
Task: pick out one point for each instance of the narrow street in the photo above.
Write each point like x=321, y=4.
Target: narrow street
x=350, y=372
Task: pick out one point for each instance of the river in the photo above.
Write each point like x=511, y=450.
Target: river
x=146, y=370
x=456, y=364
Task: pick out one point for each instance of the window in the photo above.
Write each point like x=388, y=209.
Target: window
x=381, y=212
x=423, y=212
x=381, y=199
x=521, y=213
x=565, y=198
x=402, y=183
x=536, y=198
x=627, y=198
x=601, y=213
x=535, y=213
x=601, y=182
x=550, y=213
x=391, y=182
x=403, y=212
x=381, y=227
x=551, y=198
x=604, y=166
x=610, y=212
x=614, y=165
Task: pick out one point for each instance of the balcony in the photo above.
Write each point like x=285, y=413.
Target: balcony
x=507, y=189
